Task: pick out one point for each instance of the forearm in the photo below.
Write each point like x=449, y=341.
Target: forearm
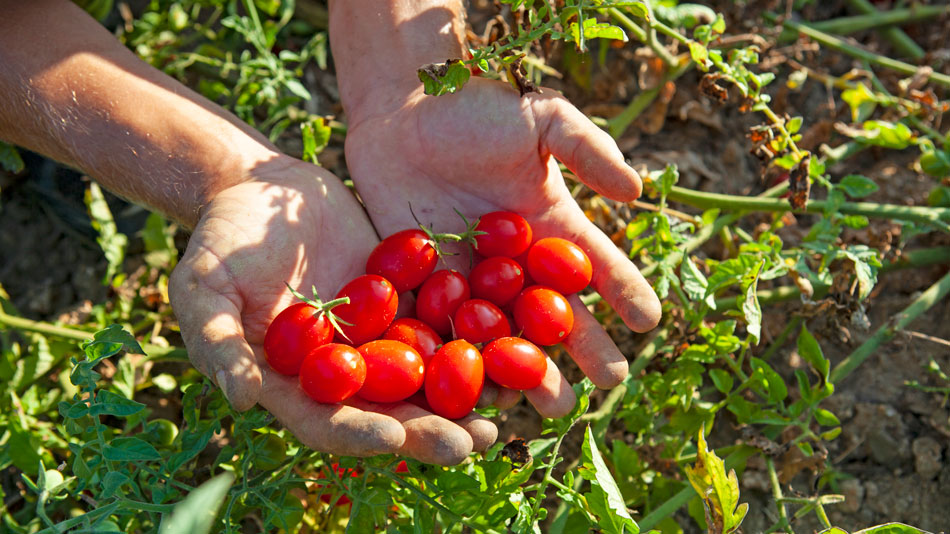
x=378, y=45
x=70, y=90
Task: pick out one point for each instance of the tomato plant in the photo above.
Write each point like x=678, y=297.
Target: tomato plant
x=394, y=371
x=440, y=295
x=515, y=363
x=332, y=373
x=405, y=258
x=544, y=315
x=417, y=335
x=372, y=308
x=478, y=321
x=505, y=234
x=497, y=279
x=454, y=379
x=559, y=264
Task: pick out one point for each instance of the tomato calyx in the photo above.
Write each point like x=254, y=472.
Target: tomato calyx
x=324, y=307
x=437, y=239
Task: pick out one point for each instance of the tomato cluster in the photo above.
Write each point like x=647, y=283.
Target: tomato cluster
x=518, y=286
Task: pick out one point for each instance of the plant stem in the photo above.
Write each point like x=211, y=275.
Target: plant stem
x=896, y=323
x=777, y=495
x=618, y=124
x=896, y=36
x=703, y=200
x=840, y=45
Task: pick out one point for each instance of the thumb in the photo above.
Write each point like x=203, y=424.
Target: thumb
x=211, y=327
x=585, y=149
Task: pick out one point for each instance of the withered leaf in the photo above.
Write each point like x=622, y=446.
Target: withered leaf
x=798, y=185
x=710, y=88
x=517, y=451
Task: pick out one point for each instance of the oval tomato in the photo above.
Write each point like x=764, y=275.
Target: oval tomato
x=560, y=265
x=543, y=315
x=497, y=280
x=297, y=330
x=506, y=234
x=372, y=307
x=394, y=371
x=515, y=363
x=405, y=258
x=478, y=321
x=332, y=373
x=417, y=335
x=440, y=295
x=454, y=379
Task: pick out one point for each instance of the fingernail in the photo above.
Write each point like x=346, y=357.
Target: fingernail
x=222, y=379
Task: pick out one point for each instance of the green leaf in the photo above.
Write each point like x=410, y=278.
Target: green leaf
x=700, y=54
x=595, y=470
x=109, y=341
x=10, y=159
x=639, y=10
x=316, y=135
x=858, y=186
x=892, y=528
x=826, y=418
x=935, y=162
x=886, y=134
x=773, y=383
x=297, y=88
x=130, y=449
x=595, y=30
x=196, y=513
x=939, y=197
x=23, y=448
x=719, y=489
x=721, y=379
x=440, y=79
x=109, y=403
x=694, y=282
x=110, y=240
x=159, y=240
x=751, y=309
x=111, y=483
x=861, y=101
x=809, y=349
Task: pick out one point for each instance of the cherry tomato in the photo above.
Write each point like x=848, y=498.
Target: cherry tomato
x=394, y=371
x=271, y=451
x=454, y=379
x=559, y=264
x=372, y=307
x=332, y=373
x=543, y=315
x=497, y=280
x=439, y=297
x=292, y=334
x=506, y=234
x=161, y=432
x=478, y=321
x=515, y=363
x=402, y=467
x=405, y=258
x=417, y=335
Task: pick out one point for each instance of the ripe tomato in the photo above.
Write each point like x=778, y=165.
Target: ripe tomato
x=454, y=379
x=439, y=297
x=478, y=321
x=515, y=363
x=543, y=315
x=417, y=335
x=506, y=234
x=394, y=371
x=372, y=307
x=292, y=334
x=559, y=264
x=405, y=258
x=497, y=280
x=332, y=373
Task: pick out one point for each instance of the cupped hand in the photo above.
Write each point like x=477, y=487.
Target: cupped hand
x=484, y=149
x=293, y=223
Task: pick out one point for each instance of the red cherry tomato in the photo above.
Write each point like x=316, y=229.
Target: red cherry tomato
x=405, y=258
x=295, y=331
x=394, y=371
x=372, y=307
x=454, y=379
x=417, y=335
x=559, y=264
x=506, y=234
x=402, y=467
x=341, y=472
x=439, y=297
x=515, y=363
x=478, y=321
x=497, y=280
x=332, y=373
x=543, y=315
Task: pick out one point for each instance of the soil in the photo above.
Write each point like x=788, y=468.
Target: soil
x=890, y=461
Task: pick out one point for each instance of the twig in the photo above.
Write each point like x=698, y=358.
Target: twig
x=669, y=211
x=921, y=335
x=896, y=36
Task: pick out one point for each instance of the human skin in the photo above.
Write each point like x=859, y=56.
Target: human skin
x=260, y=219
x=483, y=149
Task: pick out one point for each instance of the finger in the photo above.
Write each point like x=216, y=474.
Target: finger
x=507, y=398
x=554, y=397
x=332, y=428
x=429, y=438
x=211, y=327
x=489, y=394
x=484, y=433
x=592, y=349
x=588, y=151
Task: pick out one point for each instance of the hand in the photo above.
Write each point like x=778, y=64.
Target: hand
x=485, y=149
x=296, y=223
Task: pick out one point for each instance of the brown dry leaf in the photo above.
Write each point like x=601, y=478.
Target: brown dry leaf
x=798, y=185
x=710, y=88
x=794, y=461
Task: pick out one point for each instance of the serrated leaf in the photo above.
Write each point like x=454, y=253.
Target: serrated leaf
x=719, y=489
x=111, y=483
x=858, y=186
x=595, y=470
x=196, y=513
x=109, y=341
x=109, y=403
x=130, y=449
